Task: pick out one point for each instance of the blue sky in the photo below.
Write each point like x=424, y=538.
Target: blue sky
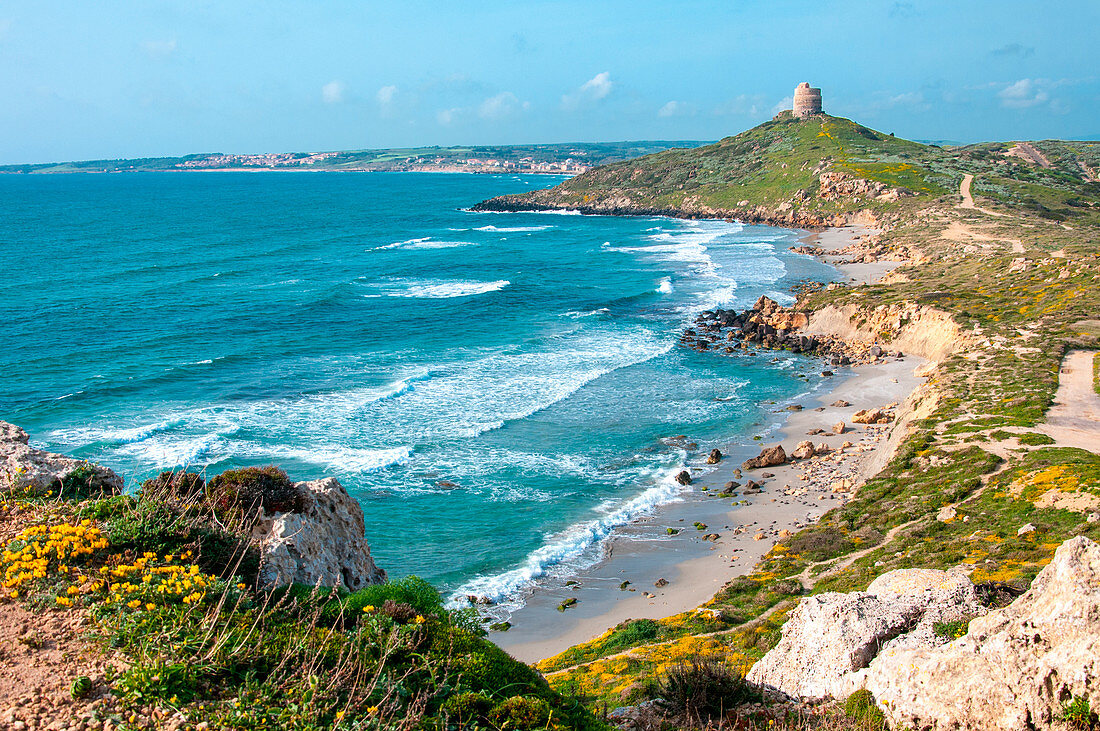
x=83, y=80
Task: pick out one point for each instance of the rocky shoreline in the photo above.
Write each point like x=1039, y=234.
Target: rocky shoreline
x=752, y=215
x=768, y=326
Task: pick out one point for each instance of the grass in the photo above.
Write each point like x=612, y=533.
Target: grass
x=1016, y=324
x=167, y=595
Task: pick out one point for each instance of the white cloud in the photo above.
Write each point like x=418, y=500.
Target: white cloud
x=386, y=95
x=333, y=92
x=159, y=50
x=676, y=109
x=787, y=103
x=1025, y=93
x=446, y=117
x=502, y=106
x=593, y=90
x=743, y=104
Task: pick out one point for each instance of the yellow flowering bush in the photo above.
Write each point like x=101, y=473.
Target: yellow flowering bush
x=42, y=550
x=45, y=555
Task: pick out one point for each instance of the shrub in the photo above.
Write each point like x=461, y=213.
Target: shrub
x=1078, y=714
x=861, y=707
x=241, y=492
x=951, y=630
x=84, y=482
x=186, y=486
x=521, y=712
x=705, y=689
x=467, y=707
x=1034, y=439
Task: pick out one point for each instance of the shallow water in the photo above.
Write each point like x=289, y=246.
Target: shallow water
x=493, y=388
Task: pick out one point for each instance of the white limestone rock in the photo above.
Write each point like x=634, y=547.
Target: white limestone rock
x=831, y=638
x=324, y=545
x=22, y=465
x=1015, y=667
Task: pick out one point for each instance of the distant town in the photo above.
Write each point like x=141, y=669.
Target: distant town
x=558, y=159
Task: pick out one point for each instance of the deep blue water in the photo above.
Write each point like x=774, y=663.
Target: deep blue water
x=491, y=387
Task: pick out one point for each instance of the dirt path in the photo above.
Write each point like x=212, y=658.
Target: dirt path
x=1025, y=151
x=964, y=190
x=1074, y=419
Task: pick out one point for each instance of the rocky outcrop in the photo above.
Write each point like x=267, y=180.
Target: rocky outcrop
x=768, y=457
x=1015, y=667
x=324, y=545
x=872, y=416
x=23, y=466
x=831, y=638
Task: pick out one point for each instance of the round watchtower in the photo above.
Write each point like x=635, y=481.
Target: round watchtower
x=807, y=100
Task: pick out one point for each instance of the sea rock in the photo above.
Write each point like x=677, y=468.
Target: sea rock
x=872, y=416
x=23, y=466
x=323, y=545
x=683, y=477
x=839, y=428
x=804, y=450
x=714, y=457
x=831, y=638
x=1015, y=667
x=659, y=583
x=765, y=305
x=769, y=457
x=840, y=403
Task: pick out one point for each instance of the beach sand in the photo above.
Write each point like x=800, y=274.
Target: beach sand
x=833, y=239
x=696, y=569
x=748, y=526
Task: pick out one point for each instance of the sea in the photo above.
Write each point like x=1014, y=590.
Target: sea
x=497, y=390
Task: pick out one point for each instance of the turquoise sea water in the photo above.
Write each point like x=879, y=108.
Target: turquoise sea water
x=493, y=388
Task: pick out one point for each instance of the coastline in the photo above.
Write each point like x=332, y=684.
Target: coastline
x=748, y=525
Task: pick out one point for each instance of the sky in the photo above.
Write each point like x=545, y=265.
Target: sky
x=110, y=79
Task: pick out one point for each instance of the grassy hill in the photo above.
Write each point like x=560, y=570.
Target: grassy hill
x=772, y=172
x=1017, y=269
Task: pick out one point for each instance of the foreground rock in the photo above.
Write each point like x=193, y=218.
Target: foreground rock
x=23, y=466
x=1015, y=667
x=769, y=457
x=830, y=638
x=324, y=545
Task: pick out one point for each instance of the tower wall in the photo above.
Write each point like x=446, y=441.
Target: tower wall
x=807, y=100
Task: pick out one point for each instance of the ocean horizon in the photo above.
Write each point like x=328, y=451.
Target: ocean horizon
x=495, y=389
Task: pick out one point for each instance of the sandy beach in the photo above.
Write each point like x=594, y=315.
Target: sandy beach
x=792, y=495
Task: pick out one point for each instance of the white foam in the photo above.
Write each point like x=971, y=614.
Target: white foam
x=424, y=243
x=665, y=287
x=341, y=460
x=571, y=548
x=513, y=229
x=444, y=289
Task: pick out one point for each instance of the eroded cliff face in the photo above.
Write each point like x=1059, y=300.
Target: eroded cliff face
x=25, y=467
x=1013, y=669
x=911, y=328
x=324, y=545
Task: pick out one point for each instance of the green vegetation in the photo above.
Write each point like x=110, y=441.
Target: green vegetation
x=1078, y=715
x=170, y=593
x=1016, y=273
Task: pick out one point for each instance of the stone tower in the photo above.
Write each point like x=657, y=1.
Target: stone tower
x=807, y=100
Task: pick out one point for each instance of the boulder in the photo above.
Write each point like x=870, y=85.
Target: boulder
x=324, y=545
x=768, y=457
x=765, y=305
x=872, y=416
x=804, y=450
x=714, y=457
x=25, y=467
x=839, y=403
x=1015, y=667
x=830, y=639
x=683, y=477
x=839, y=428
